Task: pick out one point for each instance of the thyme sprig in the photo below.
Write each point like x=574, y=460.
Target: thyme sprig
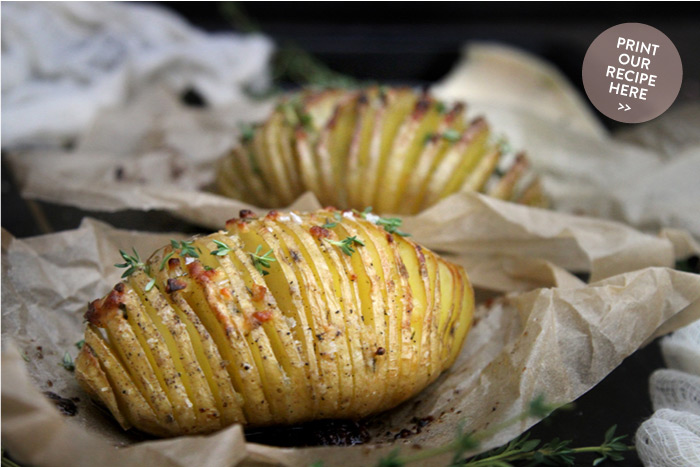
x=247, y=132
x=329, y=224
x=346, y=244
x=450, y=135
x=262, y=263
x=390, y=224
x=80, y=344
x=555, y=452
x=186, y=249
x=132, y=263
x=222, y=249
x=290, y=62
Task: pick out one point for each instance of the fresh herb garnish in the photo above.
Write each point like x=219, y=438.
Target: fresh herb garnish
x=346, y=244
x=185, y=247
x=390, y=224
x=247, y=132
x=329, y=224
x=451, y=135
x=440, y=107
x=252, y=159
x=222, y=249
x=503, y=145
x=150, y=285
x=165, y=259
x=263, y=261
x=80, y=344
x=67, y=362
x=306, y=120
x=555, y=452
x=133, y=263
x=25, y=357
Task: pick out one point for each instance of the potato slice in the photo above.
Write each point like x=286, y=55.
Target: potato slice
x=91, y=376
x=132, y=405
x=244, y=287
x=228, y=401
x=329, y=330
x=229, y=334
x=227, y=179
x=180, y=351
x=111, y=313
x=339, y=298
x=160, y=358
x=476, y=181
x=408, y=144
x=369, y=106
x=274, y=159
x=319, y=108
x=332, y=151
x=505, y=187
x=399, y=103
x=533, y=195
x=455, y=165
x=391, y=329
x=361, y=338
x=251, y=174
x=434, y=149
x=285, y=287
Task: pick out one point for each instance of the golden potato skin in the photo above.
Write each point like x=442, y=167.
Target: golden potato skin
x=397, y=149
x=278, y=319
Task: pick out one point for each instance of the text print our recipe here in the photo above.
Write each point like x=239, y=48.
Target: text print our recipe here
x=638, y=62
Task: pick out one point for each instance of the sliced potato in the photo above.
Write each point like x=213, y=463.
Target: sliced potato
x=280, y=319
x=396, y=149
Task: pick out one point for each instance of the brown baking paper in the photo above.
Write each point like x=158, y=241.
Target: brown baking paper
x=559, y=340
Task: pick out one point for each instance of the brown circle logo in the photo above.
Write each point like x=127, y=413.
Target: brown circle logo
x=632, y=73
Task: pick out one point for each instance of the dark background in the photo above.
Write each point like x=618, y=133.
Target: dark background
x=418, y=43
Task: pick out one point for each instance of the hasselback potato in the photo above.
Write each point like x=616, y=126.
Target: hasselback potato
x=396, y=149
x=278, y=319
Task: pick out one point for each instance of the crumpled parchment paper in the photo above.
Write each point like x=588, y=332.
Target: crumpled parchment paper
x=558, y=340
x=153, y=153
x=67, y=62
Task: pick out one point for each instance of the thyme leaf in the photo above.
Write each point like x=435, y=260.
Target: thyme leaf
x=165, y=259
x=185, y=247
x=346, y=244
x=451, y=135
x=222, y=249
x=390, y=224
x=150, y=285
x=262, y=263
x=132, y=263
x=329, y=224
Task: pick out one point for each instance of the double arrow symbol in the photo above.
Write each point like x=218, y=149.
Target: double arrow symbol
x=623, y=107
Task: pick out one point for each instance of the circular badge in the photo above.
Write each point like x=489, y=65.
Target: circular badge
x=632, y=73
